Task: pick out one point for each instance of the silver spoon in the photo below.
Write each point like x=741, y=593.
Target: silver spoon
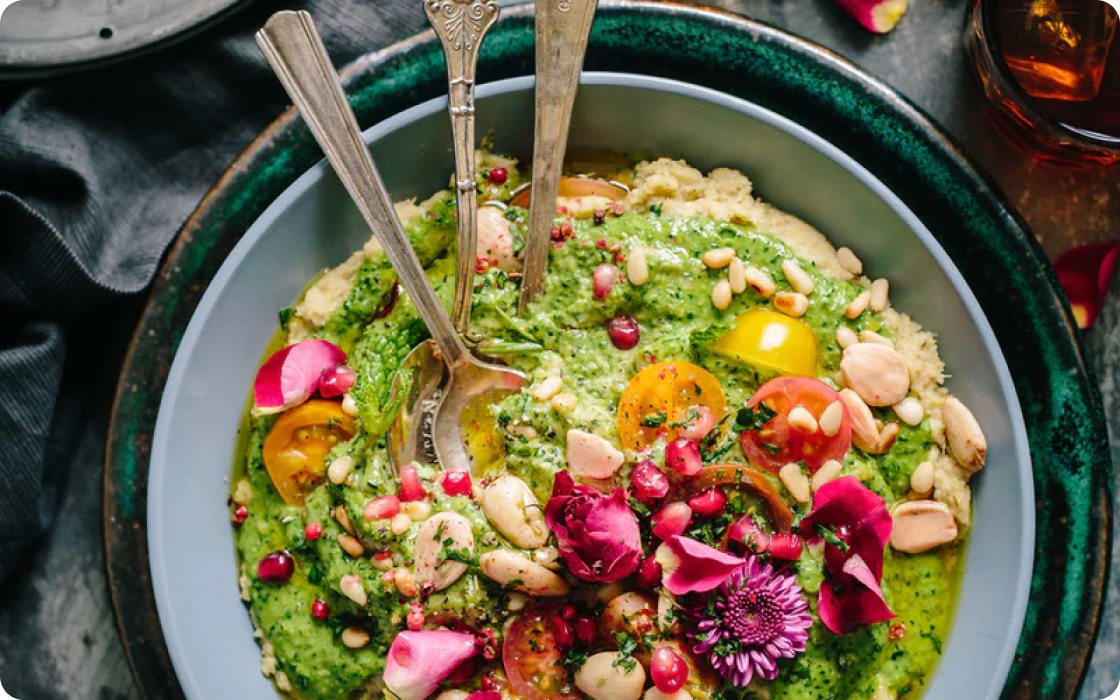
x=460, y=28
x=297, y=55
x=563, y=28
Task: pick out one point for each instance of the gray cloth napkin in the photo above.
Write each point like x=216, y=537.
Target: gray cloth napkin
x=98, y=171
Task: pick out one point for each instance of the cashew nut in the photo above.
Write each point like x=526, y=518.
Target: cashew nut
x=877, y=373
x=431, y=541
x=600, y=679
x=922, y=525
x=523, y=574
x=966, y=439
x=510, y=505
x=495, y=239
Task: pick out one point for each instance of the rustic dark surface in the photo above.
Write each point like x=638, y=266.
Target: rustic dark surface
x=57, y=635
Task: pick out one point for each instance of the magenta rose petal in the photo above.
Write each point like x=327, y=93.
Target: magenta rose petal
x=689, y=566
x=292, y=374
x=597, y=535
x=1085, y=273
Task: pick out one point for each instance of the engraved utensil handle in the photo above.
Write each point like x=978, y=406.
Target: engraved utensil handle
x=563, y=27
x=460, y=26
x=300, y=60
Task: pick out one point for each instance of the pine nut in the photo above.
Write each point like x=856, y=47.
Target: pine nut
x=858, y=305
x=799, y=418
x=921, y=479
x=846, y=336
x=879, y=290
x=873, y=337
x=795, y=481
x=340, y=469
x=831, y=418
x=737, y=276
x=351, y=545
x=548, y=388
x=718, y=258
x=517, y=601
x=910, y=411
x=761, y=281
x=417, y=510
x=791, y=303
x=637, y=266
x=355, y=638
x=400, y=524
x=349, y=406
x=564, y=402
x=382, y=564
x=849, y=261
x=406, y=583
x=351, y=587
x=797, y=278
x=828, y=472
x=343, y=519
x=721, y=295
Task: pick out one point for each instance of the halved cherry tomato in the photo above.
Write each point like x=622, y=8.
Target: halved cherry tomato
x=746, y=477
x=656, y=401
x=532, y=658
x=295, y=448
x=777, y=444
x=574, y=187
x=770, y=340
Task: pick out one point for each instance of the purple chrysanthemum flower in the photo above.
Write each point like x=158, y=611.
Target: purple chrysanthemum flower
x=751, y=620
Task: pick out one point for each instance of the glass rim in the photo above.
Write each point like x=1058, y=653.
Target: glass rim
x=1091, y=138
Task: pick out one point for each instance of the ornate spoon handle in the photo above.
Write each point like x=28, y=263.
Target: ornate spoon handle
x=563, y=27
x=460, y=26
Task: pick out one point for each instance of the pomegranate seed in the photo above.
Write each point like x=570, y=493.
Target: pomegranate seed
x=703, y=420
x=382, y=508
x=602, y=243
x=240, y=514
x=320, y=611
x=336, y=381
x=394, y=296
x=484, y=695
x=312, y=531
x=555, y=234
x=463, y=672
x=411, y=488
x=603, y=280
x=481, y=263
x=683, y=456
x=566, y=229
x=671, y=520
x=650, y=483
x=456, y=483
x=498, y=176
x=415, y=618
x=569, y=612
x=708, y=504
x=623, y=332
x=487, y=683
x=276, y=568
x=669, y=670
x=747, y=533
x=586, y=629
x=785, y=545
x=649, y=573
x=562, y=633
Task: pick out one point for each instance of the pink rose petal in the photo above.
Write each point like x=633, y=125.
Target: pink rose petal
x=847, y=604
x=418, y=661
x=689, y=566
x=598, y=535
x=292, y=374
x=1085, y=273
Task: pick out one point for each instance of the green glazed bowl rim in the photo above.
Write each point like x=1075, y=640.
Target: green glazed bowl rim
x=893, y=139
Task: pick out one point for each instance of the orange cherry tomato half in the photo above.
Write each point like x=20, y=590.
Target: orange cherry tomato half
x=532, y=657
x=777, y=443
x=657, y=401
x=574, y=187
x=297, y=445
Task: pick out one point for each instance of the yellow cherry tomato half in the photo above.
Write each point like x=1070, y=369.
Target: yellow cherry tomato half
x=771, y=340
x=657, y=400
x=298, y=444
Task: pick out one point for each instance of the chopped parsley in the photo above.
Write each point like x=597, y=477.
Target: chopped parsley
x=656, y=210
x=627, y=645
x=828, y=534
x=753, y=419
x=655, y=420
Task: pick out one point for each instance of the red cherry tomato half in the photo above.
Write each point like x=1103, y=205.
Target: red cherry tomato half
x=532, y=657
x=777, y=444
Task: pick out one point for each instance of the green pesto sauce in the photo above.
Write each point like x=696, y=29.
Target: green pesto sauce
x=564, y=332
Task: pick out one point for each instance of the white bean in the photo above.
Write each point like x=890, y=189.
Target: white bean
x=600, y=678
x=431, y=541
x=592, y=457
x=509, y=504
x=522, y=573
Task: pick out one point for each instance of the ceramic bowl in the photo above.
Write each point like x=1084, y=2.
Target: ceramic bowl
x=313, y=225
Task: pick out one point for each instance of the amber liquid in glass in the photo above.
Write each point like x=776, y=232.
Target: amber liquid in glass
x=1061, y=53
